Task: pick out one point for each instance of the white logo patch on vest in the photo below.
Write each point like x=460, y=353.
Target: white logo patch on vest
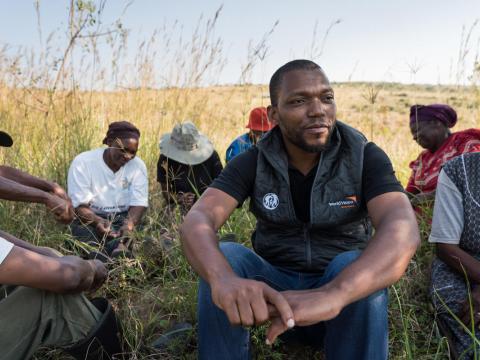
x=270, y=201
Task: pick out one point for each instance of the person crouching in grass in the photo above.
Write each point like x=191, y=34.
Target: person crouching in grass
x=187, y=165
x=109, y=191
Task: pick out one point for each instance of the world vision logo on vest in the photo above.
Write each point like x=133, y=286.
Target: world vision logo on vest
x=270, y=201
x=348, y=202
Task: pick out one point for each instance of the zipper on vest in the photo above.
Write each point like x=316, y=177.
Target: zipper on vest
x=308, y=249
x=306, y=226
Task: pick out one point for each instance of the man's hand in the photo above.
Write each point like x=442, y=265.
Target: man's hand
x=62, y=209
x=101, y=274
x=59, y=191
x=466, y=313
x=104, y=230
x=126, y=230
x=245, y=302
x=309, y=307
x=186, y=199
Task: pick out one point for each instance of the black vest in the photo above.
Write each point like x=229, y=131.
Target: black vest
x=337, y=222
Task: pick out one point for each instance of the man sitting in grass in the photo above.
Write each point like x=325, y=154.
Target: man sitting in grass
x=314, y=183
x=40, y=290
x=109, y=191
x=187, y=165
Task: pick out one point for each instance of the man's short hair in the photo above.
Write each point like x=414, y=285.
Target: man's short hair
x=277, y=77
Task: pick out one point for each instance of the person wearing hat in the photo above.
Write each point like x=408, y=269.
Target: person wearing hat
x=109, y=190
x=430, y=127
x=41, y=300
x=259, y=124
x=187, y=165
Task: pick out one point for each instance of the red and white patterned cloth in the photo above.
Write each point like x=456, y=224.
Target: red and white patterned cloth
x=426, y=168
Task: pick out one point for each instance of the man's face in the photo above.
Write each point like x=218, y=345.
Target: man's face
x=306, y=110
x=123, y=150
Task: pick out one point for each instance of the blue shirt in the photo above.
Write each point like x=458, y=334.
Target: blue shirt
x=239, y=145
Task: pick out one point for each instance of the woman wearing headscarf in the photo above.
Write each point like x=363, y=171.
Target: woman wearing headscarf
x=187, y=165
x=109, y=190
x=430, y=127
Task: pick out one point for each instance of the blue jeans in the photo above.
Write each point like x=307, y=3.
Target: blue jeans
x=360, y=331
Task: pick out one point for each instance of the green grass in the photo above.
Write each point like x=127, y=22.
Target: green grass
x=158, y=289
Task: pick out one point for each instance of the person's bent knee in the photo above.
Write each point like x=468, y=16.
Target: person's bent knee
x=238, y=256
x=341, y=261
x=232, y=249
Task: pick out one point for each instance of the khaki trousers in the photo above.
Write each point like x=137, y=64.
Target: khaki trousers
x=32, y=318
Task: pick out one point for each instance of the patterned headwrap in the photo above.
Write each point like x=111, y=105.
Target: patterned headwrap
x=122, y=130
x=440, y=112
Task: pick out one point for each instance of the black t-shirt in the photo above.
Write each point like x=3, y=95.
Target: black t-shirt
x=238, y=177
x=188, y=178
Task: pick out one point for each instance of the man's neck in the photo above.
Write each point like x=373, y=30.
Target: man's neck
x=301, y=160
x=108, y=161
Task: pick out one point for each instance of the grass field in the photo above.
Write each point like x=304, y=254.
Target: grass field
x=159, y=288
x=59, y=102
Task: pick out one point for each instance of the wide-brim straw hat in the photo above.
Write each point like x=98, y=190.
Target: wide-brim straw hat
x=186, y=144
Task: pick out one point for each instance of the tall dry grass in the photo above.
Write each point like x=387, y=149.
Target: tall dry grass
x=58, y=102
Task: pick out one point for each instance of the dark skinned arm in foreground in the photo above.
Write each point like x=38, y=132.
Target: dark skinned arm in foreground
x=21, y=189
x=381, y=264
x=245, y=302
x=42, y=250
x=26, y=179
x=67, y=274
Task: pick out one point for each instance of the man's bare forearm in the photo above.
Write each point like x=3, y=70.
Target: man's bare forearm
x=14, y=191
x=68, y=274
x=26, y=179
x=135, y=214
x=17, y=242
x=87, y=215
x=384, y=260
x=200, y=245
x=26, y=245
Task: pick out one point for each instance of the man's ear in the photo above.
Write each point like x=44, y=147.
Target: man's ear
x=272, y=114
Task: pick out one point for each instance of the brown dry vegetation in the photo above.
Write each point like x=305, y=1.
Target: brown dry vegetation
x=158, y=288
x=53, y=115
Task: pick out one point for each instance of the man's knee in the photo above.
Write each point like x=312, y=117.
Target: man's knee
x=340, y=262
x=238, y=256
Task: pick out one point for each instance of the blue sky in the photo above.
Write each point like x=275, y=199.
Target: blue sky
x=375, y=40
